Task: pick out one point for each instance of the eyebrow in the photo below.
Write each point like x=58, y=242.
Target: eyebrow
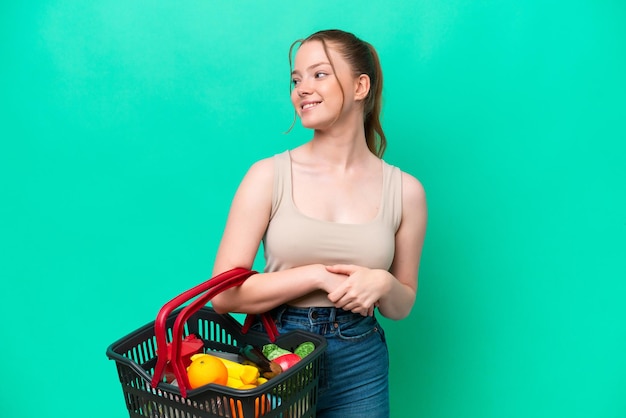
x=311, y=67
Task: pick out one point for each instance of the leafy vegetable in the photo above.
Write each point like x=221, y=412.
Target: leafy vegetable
x=272, y=351
x=304, y=349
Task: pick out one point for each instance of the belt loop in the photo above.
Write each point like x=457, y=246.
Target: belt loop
x=333, y=315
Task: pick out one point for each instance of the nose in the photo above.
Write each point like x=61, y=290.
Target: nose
x=303, y=88
x=303, y=92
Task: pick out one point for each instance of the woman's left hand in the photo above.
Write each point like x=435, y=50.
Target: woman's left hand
x=361, y=290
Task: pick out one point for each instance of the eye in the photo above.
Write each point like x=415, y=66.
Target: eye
x=320, y=74
x=295, y=81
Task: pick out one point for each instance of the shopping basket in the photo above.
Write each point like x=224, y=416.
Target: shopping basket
x=291, y=394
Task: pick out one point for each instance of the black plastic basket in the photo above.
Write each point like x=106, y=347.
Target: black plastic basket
x=291, y=394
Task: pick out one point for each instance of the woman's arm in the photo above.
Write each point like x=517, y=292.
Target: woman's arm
x=393, y=291
x=399, y=300
x=247, y=221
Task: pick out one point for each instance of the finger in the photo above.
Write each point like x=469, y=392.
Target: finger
x=336, y=295
x=347, y=304
x=353, y=307
x=346, y=269
x=361, y=311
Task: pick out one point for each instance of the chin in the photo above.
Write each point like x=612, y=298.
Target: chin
x=310, y=124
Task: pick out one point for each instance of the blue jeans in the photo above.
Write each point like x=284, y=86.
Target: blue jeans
x=355, y=369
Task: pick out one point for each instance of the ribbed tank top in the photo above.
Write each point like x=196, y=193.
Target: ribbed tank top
x=293, y=239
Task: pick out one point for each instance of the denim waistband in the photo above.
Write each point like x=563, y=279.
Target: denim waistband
x=316, y=314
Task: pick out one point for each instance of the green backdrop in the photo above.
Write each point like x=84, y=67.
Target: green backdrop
x=127, y=125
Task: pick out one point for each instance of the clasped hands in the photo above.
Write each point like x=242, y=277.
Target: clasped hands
x=359, y=290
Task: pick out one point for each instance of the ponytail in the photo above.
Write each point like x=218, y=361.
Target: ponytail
x=374, y=135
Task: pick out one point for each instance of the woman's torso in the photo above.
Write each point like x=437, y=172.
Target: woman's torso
x=294, y=239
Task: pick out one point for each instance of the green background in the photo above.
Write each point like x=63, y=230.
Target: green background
x=127, y=125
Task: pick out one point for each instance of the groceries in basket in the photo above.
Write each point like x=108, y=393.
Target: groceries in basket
x=251, y=368
x=190, y=345
x=154, y=362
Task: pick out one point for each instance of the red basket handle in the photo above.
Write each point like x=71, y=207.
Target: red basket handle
x=212, y=287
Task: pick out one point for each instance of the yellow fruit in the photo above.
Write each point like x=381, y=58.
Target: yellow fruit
x=205, y=369
x=234, y=382
x=249, y=375
x=196, y=356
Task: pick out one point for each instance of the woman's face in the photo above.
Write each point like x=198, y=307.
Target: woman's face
x=317, y=95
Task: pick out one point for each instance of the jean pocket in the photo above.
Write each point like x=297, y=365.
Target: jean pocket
x=358, y=328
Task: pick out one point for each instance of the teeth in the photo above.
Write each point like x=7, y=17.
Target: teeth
x=309, y=105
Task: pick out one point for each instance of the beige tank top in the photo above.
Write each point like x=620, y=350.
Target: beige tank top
x=293, y=239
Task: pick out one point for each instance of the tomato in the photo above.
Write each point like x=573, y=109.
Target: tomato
x=288, y=360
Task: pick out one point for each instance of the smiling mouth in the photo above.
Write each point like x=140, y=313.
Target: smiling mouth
x=309, y=105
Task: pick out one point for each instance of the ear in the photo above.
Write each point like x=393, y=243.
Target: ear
x=362, y=87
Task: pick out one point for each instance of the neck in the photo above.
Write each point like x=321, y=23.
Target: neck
x=341, y=145
x=344, y=150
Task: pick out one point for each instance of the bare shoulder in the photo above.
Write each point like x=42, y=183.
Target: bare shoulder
x=255, y=190
x=262, y=169
x=259, y=177
x=413, y=193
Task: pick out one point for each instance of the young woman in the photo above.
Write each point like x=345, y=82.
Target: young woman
x=342, y=230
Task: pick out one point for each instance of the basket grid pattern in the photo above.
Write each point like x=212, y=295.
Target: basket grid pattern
x=291, y=395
